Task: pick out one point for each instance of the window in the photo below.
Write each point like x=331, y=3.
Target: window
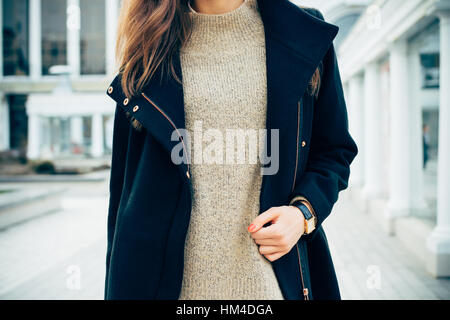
x=54, y=34
x=430, y=70
x=15, y=37
x=92, y=37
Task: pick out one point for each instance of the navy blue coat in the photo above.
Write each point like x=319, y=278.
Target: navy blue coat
x=150, y=196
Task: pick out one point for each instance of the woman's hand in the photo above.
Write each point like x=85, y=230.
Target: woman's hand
x=278, y=238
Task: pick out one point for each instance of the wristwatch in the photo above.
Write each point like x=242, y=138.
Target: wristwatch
x=310, y=219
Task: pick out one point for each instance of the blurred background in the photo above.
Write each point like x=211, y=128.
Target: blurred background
x=389, y=232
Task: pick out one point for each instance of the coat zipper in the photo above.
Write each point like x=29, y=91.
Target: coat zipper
x=174, y=126
x=304, y=289
x=298, y=140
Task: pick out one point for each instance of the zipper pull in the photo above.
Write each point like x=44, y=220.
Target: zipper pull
x=305, y=293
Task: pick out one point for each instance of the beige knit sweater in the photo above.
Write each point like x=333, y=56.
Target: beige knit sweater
x=224, y=83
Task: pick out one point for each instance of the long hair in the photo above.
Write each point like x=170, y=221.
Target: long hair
x=149, y=33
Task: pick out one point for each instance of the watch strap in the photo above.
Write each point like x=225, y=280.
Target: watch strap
x=304, y=209
x=309, y=218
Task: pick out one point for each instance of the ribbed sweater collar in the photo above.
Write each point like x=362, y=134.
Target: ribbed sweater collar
x=239, y=24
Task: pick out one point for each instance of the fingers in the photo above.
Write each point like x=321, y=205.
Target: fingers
x=275, y=239
x=267, y=242
x=263, y=218
x=274, y=256
x=272, y=252
x=270, y=232
x=266, y=250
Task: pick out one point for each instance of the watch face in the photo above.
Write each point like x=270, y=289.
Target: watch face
x=310, y=226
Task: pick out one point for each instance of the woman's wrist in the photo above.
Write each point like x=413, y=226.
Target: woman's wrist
x=305, y=201
x=307, y=212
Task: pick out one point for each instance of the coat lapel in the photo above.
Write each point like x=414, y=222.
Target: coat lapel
x=296, y=42
x=160, y=109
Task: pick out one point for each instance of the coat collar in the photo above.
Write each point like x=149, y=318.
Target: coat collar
x=296, y=42
x=301, y=32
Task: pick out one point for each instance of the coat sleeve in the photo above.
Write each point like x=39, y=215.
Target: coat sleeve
x=118, y=163
x=332, y=149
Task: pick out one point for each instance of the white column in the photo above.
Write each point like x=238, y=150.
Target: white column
x=416, y=184
x=109, y=130
x=356, y=128
x=35, y=39
x=34, y=134
x=112, y=15
x=4, y=123
x=97, y=135
x=373, y=177
x=439, y=240
x=73, y=36
x=399, y=175
x=45, y=138
x=76, y=130
x=56, y=137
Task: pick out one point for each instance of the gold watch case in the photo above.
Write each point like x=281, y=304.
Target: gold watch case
x=310, y=225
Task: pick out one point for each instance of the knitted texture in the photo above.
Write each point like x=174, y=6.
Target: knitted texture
x=225, y=87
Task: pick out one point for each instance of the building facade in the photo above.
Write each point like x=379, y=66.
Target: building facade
x=395, y=65
x=48, y=111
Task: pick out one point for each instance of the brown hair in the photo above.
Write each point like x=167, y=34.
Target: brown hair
x=149, y=33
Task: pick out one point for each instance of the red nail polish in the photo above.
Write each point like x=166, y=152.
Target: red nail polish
x=251, y=227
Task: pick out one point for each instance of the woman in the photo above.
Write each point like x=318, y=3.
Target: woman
x=184, y=223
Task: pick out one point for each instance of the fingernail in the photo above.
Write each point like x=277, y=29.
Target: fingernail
x=251, y=227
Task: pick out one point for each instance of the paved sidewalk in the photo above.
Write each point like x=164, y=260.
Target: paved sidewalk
x=372, y=265
x=61, y=255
